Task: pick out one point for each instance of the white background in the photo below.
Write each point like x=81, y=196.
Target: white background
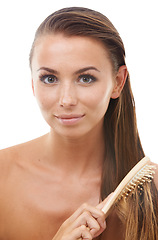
x=137, y=23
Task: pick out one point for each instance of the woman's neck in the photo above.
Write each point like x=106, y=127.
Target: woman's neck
x=77, y=155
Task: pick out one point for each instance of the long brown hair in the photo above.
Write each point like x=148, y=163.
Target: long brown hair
x=123, y=146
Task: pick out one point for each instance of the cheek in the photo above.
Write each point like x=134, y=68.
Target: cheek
x=102, y=104
x=44, y=99
x=98, y=100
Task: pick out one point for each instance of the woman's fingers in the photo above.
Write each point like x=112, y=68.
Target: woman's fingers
x=82, y=232
x=89, y=216
x=89, y=221
x=103, y=203
x=96, y=213
x=89, y=213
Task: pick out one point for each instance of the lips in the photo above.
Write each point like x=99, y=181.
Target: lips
x=69, y=119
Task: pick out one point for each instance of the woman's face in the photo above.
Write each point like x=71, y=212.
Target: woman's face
x=72, y=82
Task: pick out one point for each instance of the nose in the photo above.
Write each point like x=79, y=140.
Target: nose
x=68, y=96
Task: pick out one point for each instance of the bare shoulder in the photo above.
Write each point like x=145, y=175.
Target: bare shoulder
x=11, y=155
x=6, y=155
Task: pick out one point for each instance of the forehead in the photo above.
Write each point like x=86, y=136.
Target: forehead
x=58, y=48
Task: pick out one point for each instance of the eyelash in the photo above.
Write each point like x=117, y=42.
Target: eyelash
x=44, y=76
x=83, y=76
x=89, y=76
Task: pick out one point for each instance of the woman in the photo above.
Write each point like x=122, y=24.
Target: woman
x=53, y=187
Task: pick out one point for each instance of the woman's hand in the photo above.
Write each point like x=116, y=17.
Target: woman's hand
x=87, y=222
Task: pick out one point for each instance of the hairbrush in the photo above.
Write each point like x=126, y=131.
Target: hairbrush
x=141, y=173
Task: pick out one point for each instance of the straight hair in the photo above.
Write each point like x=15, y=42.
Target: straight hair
x=123, y=148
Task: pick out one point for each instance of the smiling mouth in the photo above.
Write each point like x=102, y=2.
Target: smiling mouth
x=69, y=119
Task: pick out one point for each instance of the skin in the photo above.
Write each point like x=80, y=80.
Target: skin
x=46, y=182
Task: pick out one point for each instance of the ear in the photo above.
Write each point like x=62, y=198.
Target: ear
x=33, y=89
x=120, y=80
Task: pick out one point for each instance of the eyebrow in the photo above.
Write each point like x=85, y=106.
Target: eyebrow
x=48, y=70
x=77, y=72
x=86, y=69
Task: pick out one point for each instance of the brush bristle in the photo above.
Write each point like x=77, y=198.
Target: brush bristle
x=143, y=176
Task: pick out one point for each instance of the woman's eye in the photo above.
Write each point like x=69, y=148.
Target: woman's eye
x=48, y=79
x=87, y=79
